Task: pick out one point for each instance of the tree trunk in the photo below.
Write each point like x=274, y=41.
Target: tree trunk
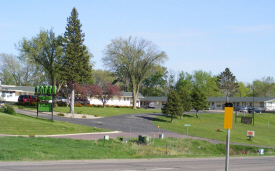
x=181, y=117
x=72, y=99
x=227, y=98
x=134, y=97
x=197, y=115
x=104, y=103
x=171, y=118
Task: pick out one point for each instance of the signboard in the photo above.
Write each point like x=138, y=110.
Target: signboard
x=250, y=133
x=187, y=125
x=228, y=115
x=45, y=107
x=246, y=120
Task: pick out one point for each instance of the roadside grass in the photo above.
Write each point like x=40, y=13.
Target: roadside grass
x=105, y=112
x=35, y=149
x=96, y=111
x=27, y=125
x=207, y=125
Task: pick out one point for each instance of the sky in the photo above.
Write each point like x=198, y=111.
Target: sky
x=195, y=34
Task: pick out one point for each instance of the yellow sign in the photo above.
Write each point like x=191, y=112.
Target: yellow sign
x=228, y=116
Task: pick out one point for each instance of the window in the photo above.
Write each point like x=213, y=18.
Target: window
x=250, y=104
x=218, y=104
x=261, y=104
x=124, y=98
x=244, y=104
x=237, y=103
x=127, y=98
x=119, y=98
x=213, y=104
x=269, y=103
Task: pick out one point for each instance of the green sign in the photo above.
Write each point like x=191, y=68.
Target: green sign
x=45, y=107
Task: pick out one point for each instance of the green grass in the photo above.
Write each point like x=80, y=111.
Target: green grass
x=105, y=112
x=98, y=111
x=29, y=149
x=27, y=125
x=206, y=126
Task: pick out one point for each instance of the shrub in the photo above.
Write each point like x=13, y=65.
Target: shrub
x=61, y=104
x=20, y=107
x=61, y=114
x=78, y=105
x=79, y=112
x=7, y=109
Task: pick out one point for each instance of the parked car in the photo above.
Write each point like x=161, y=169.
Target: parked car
x=81, y=100
x=152, y=105
x=256, y=110
x=244, y=109
x=27, y=98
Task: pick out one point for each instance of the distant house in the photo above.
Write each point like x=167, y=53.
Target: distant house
x=217, y=103
x=125, y=100
x=159, y=101
x=10, y=93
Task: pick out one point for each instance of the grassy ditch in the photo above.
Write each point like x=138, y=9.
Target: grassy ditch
x=18, y=124
x=212, y=126
x=30, y=149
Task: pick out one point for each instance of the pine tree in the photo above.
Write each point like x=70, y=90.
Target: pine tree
x=185, y=100
x=76, y=65
x=227, y=83
x=173, y=107
x=199, y=100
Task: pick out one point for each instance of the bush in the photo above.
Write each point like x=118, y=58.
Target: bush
x=79, y=112
x=7, y=109
x=61, y=104
x=78, y=105
x=61, y=114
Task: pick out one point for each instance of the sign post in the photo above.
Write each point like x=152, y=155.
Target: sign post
x=187, y=127
x=228, y=119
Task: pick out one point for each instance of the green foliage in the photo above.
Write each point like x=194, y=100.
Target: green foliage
x=198, y=99
x=185, y=100
x=173, y=106
x=61, y=114
x=134, y=59
x=75, y=64
x=227, y=83
x=7, y=109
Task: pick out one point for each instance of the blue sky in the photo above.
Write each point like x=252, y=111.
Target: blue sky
x=196, y=35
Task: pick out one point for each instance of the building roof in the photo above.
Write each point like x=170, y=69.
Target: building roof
x=130, y=94
x=240, y=99
x=155, y=98
x=17, y=88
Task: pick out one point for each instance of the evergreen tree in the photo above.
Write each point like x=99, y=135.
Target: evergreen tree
x=227, y=83
x=199, y=100
x=185, y=100
x=173, y=107
x=76, y=66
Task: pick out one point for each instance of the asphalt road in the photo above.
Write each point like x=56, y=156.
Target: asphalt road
x=202, y=164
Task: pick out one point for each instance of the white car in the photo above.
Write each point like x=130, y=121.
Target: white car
x=152, y=105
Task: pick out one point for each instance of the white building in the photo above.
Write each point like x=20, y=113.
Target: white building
x=125, y=100
x=10, y=93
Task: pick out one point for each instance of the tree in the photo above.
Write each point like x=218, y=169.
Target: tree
x=154, y=85
x=263, y=88
x=173, y=106
x=185, y=100
x=18, y=72
x=227, y=83
x=135, y=59
x=102, y=77
x=44, y=50
x=75, y=65
x=243, y=90
x=104, y=94
x=198, y=99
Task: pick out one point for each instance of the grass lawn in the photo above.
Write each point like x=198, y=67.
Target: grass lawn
x=105, y=112
x=27, y=125
x=98, y=111
x=206, y=126
x=28, y=149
